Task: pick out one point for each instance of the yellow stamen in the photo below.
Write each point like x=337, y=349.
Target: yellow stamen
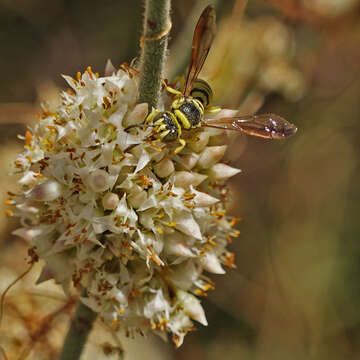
x=190, y=206
x=89, y=71
x=234, y=221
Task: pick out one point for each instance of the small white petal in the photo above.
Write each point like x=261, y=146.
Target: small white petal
x=156, y=305
x=118, y=294
x=187, y=178
x=186, y=224
x=137, y=115
x=203, y=139
x=48, y=191
x=189, y=160
x=28, y=207
x=204, y=200
x=211, y=263
x=28, y=178
x=27, y=233
x=184, y=275
x=175, y=245
x=211, y=155
x=142, y=161
x=222, y=172
x=71, y=82
x=192, y=306
x=109, y=68
x=137, y=197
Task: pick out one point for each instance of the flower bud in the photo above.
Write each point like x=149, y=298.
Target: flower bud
x=137, y=115
x=204, y=200
x=110, y=201
x=200, y=144
x=99, y=180
x=164, y=168
x=109, y=68
x=191, y=306
x=211, y=263
x=189, y=160
x=137, y=197
x=222, y=172
x=175, y=245
x=46, y=192
x=211, y=155
x=187, y=225
x=186, y=178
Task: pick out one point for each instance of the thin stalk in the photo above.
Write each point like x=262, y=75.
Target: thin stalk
x=153, y=43
x=78, y=333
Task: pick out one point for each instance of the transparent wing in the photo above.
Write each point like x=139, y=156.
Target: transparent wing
x=204, y=35
x=268, y=126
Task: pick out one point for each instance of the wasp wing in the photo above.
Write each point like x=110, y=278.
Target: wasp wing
x=268, y=126
x=204, y=35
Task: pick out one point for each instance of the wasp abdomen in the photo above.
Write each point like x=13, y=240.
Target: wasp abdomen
x=202, y=91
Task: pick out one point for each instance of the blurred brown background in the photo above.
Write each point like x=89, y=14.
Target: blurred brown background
x=295, y=293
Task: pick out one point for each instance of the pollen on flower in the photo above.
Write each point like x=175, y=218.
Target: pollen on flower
x=118, y=213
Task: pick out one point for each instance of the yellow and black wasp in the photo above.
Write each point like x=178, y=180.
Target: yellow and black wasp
x=190, y=105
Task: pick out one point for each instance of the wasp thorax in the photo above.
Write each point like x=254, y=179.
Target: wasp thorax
x=192, y=113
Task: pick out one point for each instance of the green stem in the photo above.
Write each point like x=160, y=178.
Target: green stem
x=78, y=333
x=154, y=44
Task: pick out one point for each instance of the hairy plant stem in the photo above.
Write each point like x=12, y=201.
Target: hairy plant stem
x=78, y=332
x=154, y=41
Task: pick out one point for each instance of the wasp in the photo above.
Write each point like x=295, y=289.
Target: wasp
x=190, y=105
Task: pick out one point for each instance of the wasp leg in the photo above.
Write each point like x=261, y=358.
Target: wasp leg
x=182, y=145
x=213, y=109
x=151, y=116
x=163, y=133
x=170, y=89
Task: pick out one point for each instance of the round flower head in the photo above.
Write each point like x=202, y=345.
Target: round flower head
x=116, y=213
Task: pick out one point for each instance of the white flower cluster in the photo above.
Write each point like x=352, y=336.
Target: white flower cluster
x=121, y=215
